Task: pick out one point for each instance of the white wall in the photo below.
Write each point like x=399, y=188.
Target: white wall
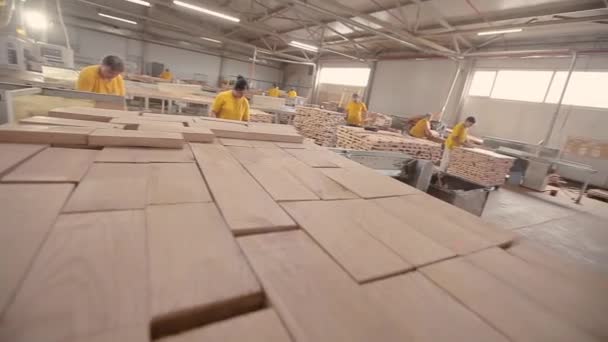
x=298, y=76
x=184, y=63
x=265, y=75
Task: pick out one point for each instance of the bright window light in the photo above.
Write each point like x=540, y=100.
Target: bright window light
x=140, y=2
x=206, y=11
x=488, y=33
x=482, y=82
x=357, y=77
x=211, y=40
x=585, y=89
x=555, y=90
x=521, y=85
x=303, y=46
x=117, y=18
x=35, y=20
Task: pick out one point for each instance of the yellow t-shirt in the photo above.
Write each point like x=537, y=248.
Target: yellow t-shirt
x=90, y=80
x=292, y=93
x=457, y=137
x=354, y=110
x=166, y=75
x=274, y=92
x=230, y=108
x=419, y=129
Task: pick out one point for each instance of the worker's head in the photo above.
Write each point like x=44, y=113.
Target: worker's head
x=292, y=89
x=111, y=66
x=356, y=97
x=470, y=121
x=428, y=116
x=240, y=77
x=239, y=88
x=274, y=85
x=167, y=70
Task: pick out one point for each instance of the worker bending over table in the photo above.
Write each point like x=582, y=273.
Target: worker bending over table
x=355, y=111
x=274, y=91
x=232, y=104
x=457, y=138
x=166, y=75
x=104, y=78
x=292, y=93
x=422, y=128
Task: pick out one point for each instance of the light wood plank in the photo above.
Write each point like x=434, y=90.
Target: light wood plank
x=235, y=142
x=132, y=122
x=111, y=187
x=13, y=154
x=193, y=134
x=145, y=155
x=235, y=131
x=39, y=134
x=369, y=183
x=515, y=315
x=89, y=278
x=312, y=158
x=169, y=117
x=51, y=121
x=28, y=212
x=54, y=165
x=176, y=183
x=191, y=285
x=317, y=182
x=90, y=113
x=131, y=138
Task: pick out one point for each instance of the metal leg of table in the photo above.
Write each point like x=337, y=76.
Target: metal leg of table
x=582, y=190
x=162, y=106
x=146, y=103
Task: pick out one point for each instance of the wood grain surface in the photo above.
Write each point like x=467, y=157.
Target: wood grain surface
x=176, y=183
x=13, y=154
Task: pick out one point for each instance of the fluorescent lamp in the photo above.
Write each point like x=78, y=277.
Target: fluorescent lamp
x=140, y=2
x=206, y=11
x=211, y=40
x=487, y=33
x=117, y=18
x=303, y=46
x=35, y=20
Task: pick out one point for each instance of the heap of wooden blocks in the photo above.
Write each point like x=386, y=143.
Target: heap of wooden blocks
x=480, y=166
x=256, y=115
x=318, y=124
x=378, y=120
x=360, y=139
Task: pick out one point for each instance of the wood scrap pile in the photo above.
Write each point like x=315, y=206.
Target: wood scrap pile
x=318, y=124
x=379, y=120
x=256, y=115
x=360, y=139
x=480, y=166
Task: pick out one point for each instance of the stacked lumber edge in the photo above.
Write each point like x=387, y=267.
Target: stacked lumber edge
x=379, y=120
x=480, y=166
x=318, y=124
x=252, y=240
x=256, y=115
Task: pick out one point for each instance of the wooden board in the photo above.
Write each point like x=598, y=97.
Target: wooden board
x=229, y=130
x=428, y=312
x=192, y=134
x=584, y=306
x=52, y=121
x=312, y=158
x=316, y=300
x=236, y=142
x=54, y=165
x=132, y=122
x=176, y=183
x=191, y=284
x=90, y=278
x=245, y=205
x=28, y=212
x=130, y=138
x=169, y=117
x=431, y=222
x=317, y=182
x=13, y=154
x=39, y=134
x=111, y=187
x=145, y=155
x=90, y=113
x=369, y=183
x=206, y=119
x=509, y=311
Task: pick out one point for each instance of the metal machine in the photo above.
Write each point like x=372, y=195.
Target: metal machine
x=23, y=54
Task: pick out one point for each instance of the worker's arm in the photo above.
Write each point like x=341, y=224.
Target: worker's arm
x=121, y=86
x=246, y=113
x=427, y=130
x=216, y=108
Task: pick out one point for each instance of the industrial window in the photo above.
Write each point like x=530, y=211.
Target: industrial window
x=586, y=89
x=482, y=82
x=357, y=77
x=520, y=85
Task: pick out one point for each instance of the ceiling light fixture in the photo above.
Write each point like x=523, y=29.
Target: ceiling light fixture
x=206, y=11
x=303, y=46
x=140, y=2
x=117, y=18
x=35, y=20
x=488, y=33
x=211, y=40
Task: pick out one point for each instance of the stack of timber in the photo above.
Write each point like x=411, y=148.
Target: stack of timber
x=268, y=102
x=360, y=139
x=318, y=124
x=378, y=120
x=256, y=115
x=480, y=166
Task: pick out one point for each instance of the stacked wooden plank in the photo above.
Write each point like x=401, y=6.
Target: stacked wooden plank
x=268, y=102
x=318, y=124
x=256, y=115
x=480, y=166
x=379, y=120
x=360, y=139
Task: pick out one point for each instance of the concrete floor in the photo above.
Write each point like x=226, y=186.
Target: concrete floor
x=579, y=231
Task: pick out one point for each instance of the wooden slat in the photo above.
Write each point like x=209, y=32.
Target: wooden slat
x=169, y=117
x=236, y=142
x=131, y=138
x=428, y=312
x=316, y=300
x=436, y=225
x=89, y=113
x=509, y=311
x=89, y=279
x=234, y=131
x=190, y=284
x=369, y=183
x=312, y=158
x=111, y=187
x=176, y=183
x=145, y=155
x=132, y=122
x=193, y=134
x=317, y=182
x=51, y=121
x=54, y=165
x=13, y=154
x=582, y=305
x=259, y=326
x=28, y=212
x=39, y=134
x=245, y=205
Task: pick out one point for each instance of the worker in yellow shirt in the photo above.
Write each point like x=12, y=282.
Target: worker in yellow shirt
x=422, y=128
x=457, y=138
x=355, y=111
x=274, y=91
x=292, y=93
x=232, y=104
x=166, y=75
x=104, y=78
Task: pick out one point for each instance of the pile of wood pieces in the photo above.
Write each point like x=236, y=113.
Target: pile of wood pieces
x=360, y=139
x=256, y=115
x=598, y=194
x=378, y=120
x=253, y=240
x=480, y=166
x=318, y=124
x=330, y=105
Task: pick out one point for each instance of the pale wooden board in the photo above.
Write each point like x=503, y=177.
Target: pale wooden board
x=197, y=272
x=312, y=158
x=431, y=222
x=245, y=205
x=13, y=154
x=51, y=121
x=132, y=122
x=428, y=312
x=28, y=212
x=192, y=134
x=90, y=113
x=206, y=119
x=54, y=164
x=176, y=183
x=145, y=155
x=89, y=278
x=229, y=130
x=506, y=309
x=40, y=134
x=317, y=182
x=316, y=299
x=584, y=306
x=111, y=187
x=258, y=326
x=236, y=142
x=169, y=117
x=131, y=138
x=292, y=145
x=367, y=183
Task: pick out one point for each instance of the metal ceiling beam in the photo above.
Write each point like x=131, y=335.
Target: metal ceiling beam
x=437, y=14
